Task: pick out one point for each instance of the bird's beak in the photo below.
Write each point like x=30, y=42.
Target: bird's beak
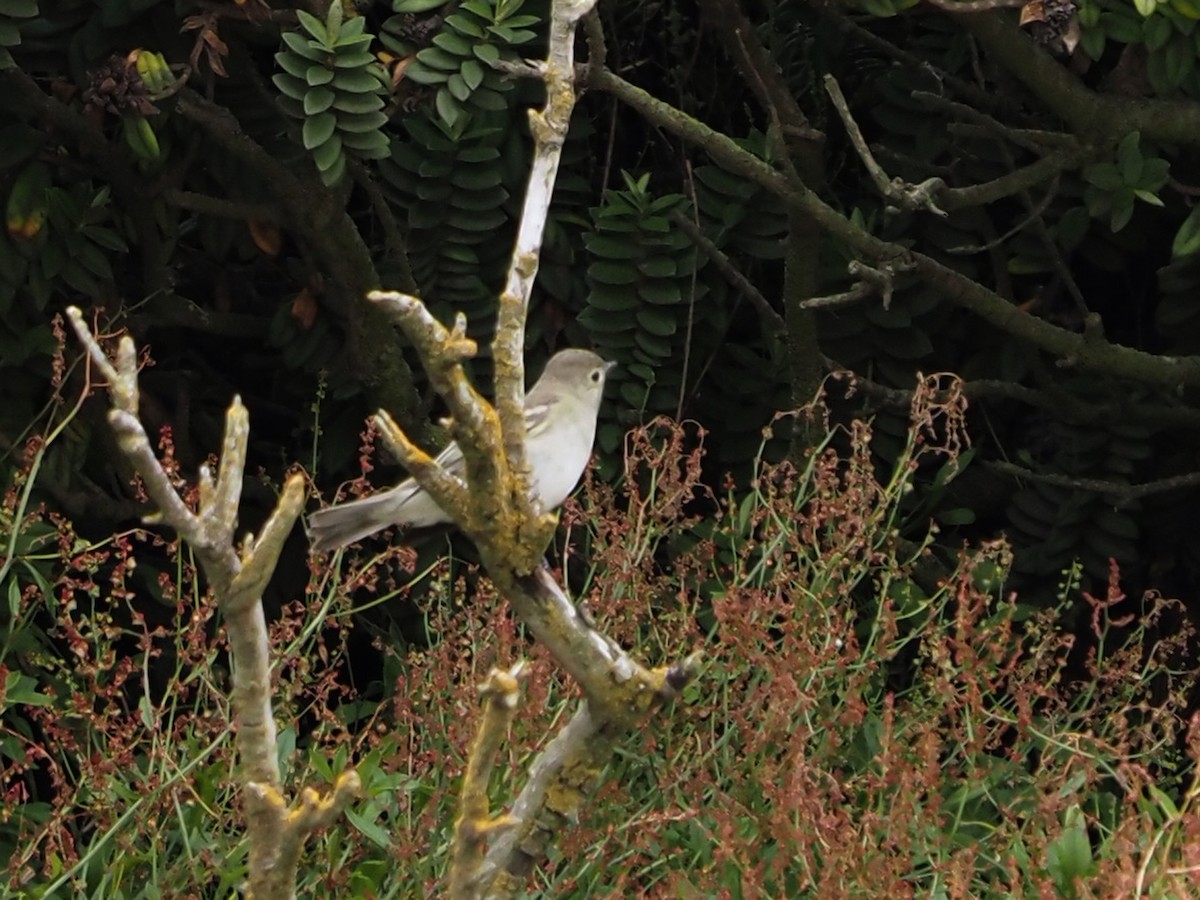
x=609, y=366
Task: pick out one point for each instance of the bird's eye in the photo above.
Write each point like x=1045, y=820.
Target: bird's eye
x=596, y=373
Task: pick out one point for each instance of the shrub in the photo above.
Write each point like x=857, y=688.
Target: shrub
x=874, y=720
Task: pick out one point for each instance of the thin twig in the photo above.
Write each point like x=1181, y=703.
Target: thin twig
x=731, y=272
x=1122, y=494
x=1034, y=214
x=976, y=6
x=906, y=196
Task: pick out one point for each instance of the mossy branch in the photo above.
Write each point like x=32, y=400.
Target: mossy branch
x=1085, y=353
x=501, y=694
x=1103, y=118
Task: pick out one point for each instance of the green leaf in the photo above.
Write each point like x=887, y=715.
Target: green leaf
x=960, y=516
x=447, y=108
x=318, y=75
x=369, y=829
x=658, y=267
x=360, y=123
x=1187, y=238
x=356, y=81
x=609, y=247
x=612, y=299
x=489, y=100
x=1148, y=197
x=657, y=320
x=1156, y=31
x=1121, y=26
x=612, y=273
x=327, y=155
x=358, y=104
x=882, y=9
x=1104, y=176
x=318, y=100
x=372, y=143
x=290, y=86
x=1155, y=173
x=318, y=129
x=19, y=9
x=333, y=20
x=1180, y=59
x=19, y=688
x=1129, y=158
x=334, y=173
x=438, y=59
x=1122, y=210
x=416, y=6
x=108, y=239
x=1073, y=227
x=352, y=34
x=313, y=25
x=663, y=293
x=1069, y=856
x=1092, y=42
x=350, y=43
x=354, y=60
x=304, y=47
x=458, y=88
x=472, y=73
x=1145, y=7
x=476, y=178
x=423, y=74
x=487, y=53
x=452, y=44
x=293, y=64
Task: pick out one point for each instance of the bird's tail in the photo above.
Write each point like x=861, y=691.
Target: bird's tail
x=337, y=526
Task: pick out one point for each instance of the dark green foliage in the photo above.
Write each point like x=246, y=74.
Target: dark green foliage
x=403, y=96
x=453, y=191
x=333, y=82
x=644, y=303
x=1058, y=524
x=12, y=14
x=458, y=64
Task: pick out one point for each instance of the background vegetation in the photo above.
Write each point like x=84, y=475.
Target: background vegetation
x=227, y=180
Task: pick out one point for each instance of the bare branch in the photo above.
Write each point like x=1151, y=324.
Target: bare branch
x=904, y=195
x=1087, y=355
x=726, y=267
x=500, y=695
x=549, y=129
x=276, y=832
x=1120, y=494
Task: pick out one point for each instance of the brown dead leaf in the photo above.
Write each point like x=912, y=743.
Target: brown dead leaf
x=267, y=236
x=1034, y=11
x=304, y=308
x=208, y=41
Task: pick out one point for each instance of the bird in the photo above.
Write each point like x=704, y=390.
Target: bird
x=560, y=427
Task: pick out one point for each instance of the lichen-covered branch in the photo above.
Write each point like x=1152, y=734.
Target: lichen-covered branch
x=560, y=781
x=549, y=129
x=500, y=694
x=277, y=831
x=491, y=504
